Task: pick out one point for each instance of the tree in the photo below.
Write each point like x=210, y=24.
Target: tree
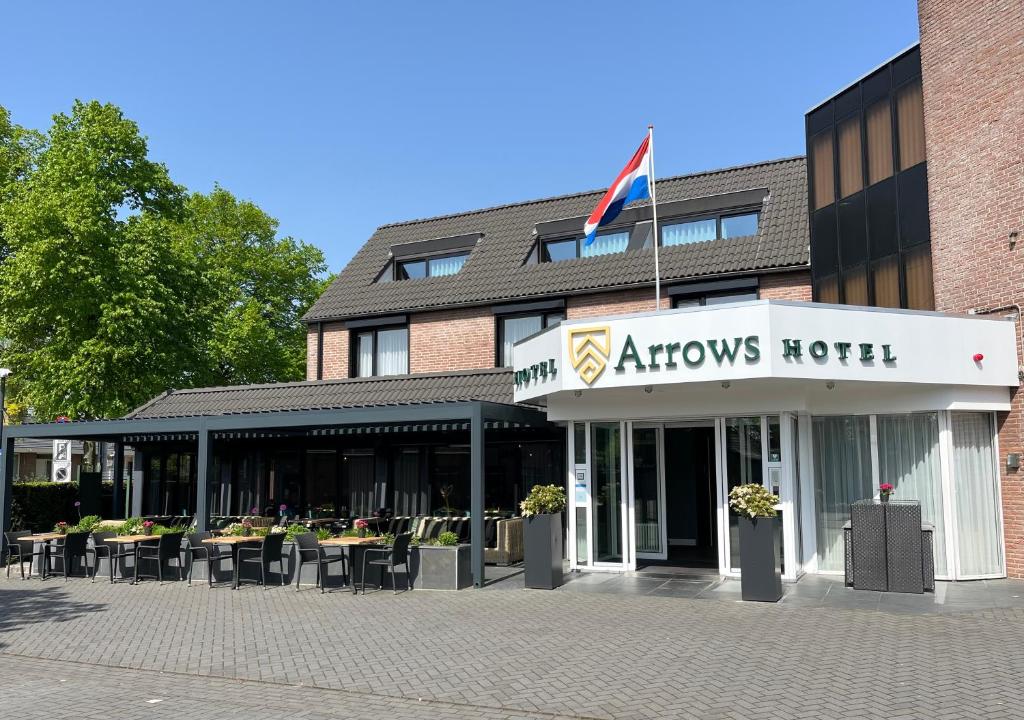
x=93, y=295
x=117, y=285
x=257, y=288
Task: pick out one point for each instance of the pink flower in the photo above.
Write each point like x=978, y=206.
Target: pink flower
x=247, y=523
x=148, y=524
x=361, y=524
x=283, y=507
x=254, y=511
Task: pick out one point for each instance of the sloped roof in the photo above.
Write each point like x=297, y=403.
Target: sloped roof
x=495, y=270
x=492, y=385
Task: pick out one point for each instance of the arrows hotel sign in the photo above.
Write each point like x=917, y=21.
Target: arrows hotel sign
x=766, y=339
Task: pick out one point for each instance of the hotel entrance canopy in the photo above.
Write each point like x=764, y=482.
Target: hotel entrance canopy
x=768, y=355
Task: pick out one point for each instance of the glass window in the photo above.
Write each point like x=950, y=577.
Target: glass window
x=851, y=172
x=743, y=466
x=842, y=475
x=855, y=286
x=976, y=489
x=828, y=290
x=910, y=121
x=579, y=443
x=514, y=329
x=557, y=250
x=447, y=265
x=920, y=293
x=886, y=277
x=729, y=298
x=908, y=458
x=822, y=167
x=605, y=244
x=734, y=226
x=607, y=493
x=879, y=127
x=692, y=231
x=647, y=490
x=412, y=270
x=382, y=352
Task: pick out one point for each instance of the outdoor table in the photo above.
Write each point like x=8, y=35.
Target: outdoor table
x=350, y=542
x=131, y=540
x=317, y=522
x=235, y=541
x=43, y=539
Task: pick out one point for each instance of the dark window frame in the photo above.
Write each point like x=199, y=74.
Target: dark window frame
x=702, y=297
x=542, y=243
x=426, y=260
x=717, y=216
x=353, y=348
x=499, y=329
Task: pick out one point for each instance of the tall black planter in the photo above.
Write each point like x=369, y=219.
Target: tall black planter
x=761, y=578
x=542, y=550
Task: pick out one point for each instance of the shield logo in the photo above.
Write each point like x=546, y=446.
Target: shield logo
x=589, y=349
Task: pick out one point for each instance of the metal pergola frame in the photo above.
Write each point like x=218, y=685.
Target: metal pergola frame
x=477, y=413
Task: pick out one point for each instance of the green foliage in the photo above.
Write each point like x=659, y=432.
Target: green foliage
x=447, y=539
x=169, y=529
x=323, y=534
x=351, y=532
x=39, y=505
x=131, y=526
x=86, y=524
x=753, y=500
x=386, y=539
x=115, y=284
x=295, y=529
x=544, y=499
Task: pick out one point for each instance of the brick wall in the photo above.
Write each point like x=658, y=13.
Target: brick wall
x=972, y=62
x=312, y=335
x=451, y=340
x=618, y=302
x=786, y=286
x=335, y=352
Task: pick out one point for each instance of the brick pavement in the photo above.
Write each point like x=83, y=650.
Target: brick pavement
x=516, y=653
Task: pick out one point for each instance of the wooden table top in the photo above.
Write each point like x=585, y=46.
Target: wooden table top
x=350, y=541
x=233, y=539
x=133, y=538
x=42, y=537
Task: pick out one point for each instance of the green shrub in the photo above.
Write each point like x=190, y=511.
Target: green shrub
x=387, y=539
x=323, y=534
x=131, y=526
x=295, y=529
x=39, y=505
x=447, y=539
x=86, y=524
x=351, y=532
x=753, y=500
x=169, y=530
x=544, y=499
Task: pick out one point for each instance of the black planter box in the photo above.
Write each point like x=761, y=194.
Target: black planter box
x=542, y=550
x=761, y=578
x=444, y=567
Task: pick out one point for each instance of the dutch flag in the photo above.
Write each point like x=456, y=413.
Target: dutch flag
x=633, y=183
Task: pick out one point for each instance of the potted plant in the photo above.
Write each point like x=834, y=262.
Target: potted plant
x=61, y=528
x=761, y=577
x=885, y=490
x=246, y=527
x=443, y=563
x=361, y=526
x=542, y=536
x=147, y=527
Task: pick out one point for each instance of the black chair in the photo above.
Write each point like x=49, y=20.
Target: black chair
x=168, y=548
x=21, y=550
x=308, y=548
x=196, y=550
x=270, y=550
x=69, y=548
x=100, y=549
x=397, y=554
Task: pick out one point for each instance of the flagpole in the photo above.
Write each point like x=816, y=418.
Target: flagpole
x=654, y=208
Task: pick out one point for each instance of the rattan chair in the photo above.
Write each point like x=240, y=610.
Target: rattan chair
x=168, y=548
x=397, y=554
x=270, y=550
x=309, y=549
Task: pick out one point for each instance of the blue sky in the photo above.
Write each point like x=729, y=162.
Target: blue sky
x=338, y=117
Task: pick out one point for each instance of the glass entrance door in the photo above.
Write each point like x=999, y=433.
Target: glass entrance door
x=607, y=498
x=648, y=465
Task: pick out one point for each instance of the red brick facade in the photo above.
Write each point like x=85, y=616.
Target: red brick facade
x=786, y=286
x=619, y=302
x=335, y=352
x=972, y=61
x=460, y=339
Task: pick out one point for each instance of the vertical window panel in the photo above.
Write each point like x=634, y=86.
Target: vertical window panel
x=514, y=329
x=920, y=289
x=842, y=475
x=692, y=231
x=605, y=244
x=886, y=278
x=828, y=290
x=879, y=131
x=822, y=168
x=734, y=226
x=851, y=171
x=393, y=351
x=364, y=354
x=910, y=120
x=976, y=489
x=855, y=286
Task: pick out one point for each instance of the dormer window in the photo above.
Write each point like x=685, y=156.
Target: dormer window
x=430, y=267
x=568, y=248
x=718, y=227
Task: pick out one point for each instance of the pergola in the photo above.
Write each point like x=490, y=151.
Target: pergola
x=479, y=416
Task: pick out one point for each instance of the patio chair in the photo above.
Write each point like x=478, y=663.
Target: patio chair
x=102, y=549
x=397, y=554
x=309, y=549
x=196, y=550
x=69, y=548
x=270, y=550
x=21, y=550
x=168, y=548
